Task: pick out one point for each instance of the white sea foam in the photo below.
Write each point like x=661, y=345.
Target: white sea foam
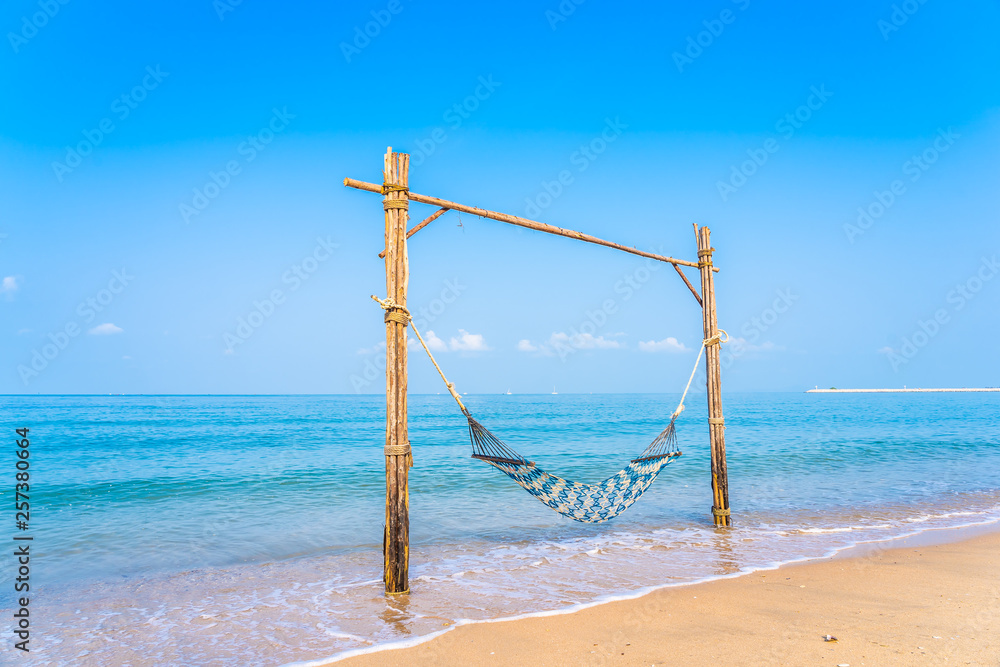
x=831, y=552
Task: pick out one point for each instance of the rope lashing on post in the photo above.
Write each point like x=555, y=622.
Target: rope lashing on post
x=589, y=503
x=403, y=203
x=390, y=187
x=397, y=315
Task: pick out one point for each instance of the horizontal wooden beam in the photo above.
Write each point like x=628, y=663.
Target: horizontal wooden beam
x=522, y=222
x=423, y=223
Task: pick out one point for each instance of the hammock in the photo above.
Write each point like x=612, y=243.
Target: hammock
x=588, y=503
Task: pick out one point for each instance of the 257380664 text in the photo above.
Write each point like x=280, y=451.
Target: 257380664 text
x=22, y=548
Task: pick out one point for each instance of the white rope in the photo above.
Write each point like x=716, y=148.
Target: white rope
x=680, y=406
x=390, y=303
x=717, y=338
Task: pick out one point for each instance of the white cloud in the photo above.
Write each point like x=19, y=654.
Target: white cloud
x=377, y=347
x=467, y=342
x=105, y=329
x=740, y=345
x=584, y=341
x=435, y=344
x=562, y=343
x=886, y=350
x=8, y=285
x=668, y=344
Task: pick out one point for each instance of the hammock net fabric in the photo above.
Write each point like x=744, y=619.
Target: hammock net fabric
x=589, y=503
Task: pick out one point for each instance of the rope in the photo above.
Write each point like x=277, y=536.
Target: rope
x=591, y=503
x=389, y=305
x=680, y=406
x=720, y=512
x=389, y=187
x=389, y=204
x=717, y=338
x=717, y=421
x=714, y=340
x=396, y=315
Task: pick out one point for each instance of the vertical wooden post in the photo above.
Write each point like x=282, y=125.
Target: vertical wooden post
x=398, y=459
x=713, y=372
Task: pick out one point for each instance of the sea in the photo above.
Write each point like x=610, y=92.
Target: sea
x=222, y=530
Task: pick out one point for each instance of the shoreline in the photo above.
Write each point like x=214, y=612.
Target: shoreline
x=505, y=636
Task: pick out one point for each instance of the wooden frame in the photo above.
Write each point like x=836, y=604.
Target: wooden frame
x=398, y=458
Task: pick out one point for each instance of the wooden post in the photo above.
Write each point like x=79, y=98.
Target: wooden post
x=713, y=372
x=398, y=459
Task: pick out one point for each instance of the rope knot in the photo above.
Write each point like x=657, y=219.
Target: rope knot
x=396, y=313
x=717, y=339
x=393, y=311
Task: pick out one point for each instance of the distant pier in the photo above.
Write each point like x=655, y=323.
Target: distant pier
x=904, y=390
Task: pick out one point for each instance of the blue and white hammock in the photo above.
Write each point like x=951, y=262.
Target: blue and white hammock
x=589, y=503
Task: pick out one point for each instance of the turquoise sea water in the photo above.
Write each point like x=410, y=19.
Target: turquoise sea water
x=209, y=530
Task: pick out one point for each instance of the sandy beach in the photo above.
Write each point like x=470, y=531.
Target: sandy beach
x=911, y=605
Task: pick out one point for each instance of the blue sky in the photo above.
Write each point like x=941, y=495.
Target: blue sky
x=168, y=171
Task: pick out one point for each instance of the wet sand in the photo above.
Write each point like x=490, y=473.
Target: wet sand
x=912, y=605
